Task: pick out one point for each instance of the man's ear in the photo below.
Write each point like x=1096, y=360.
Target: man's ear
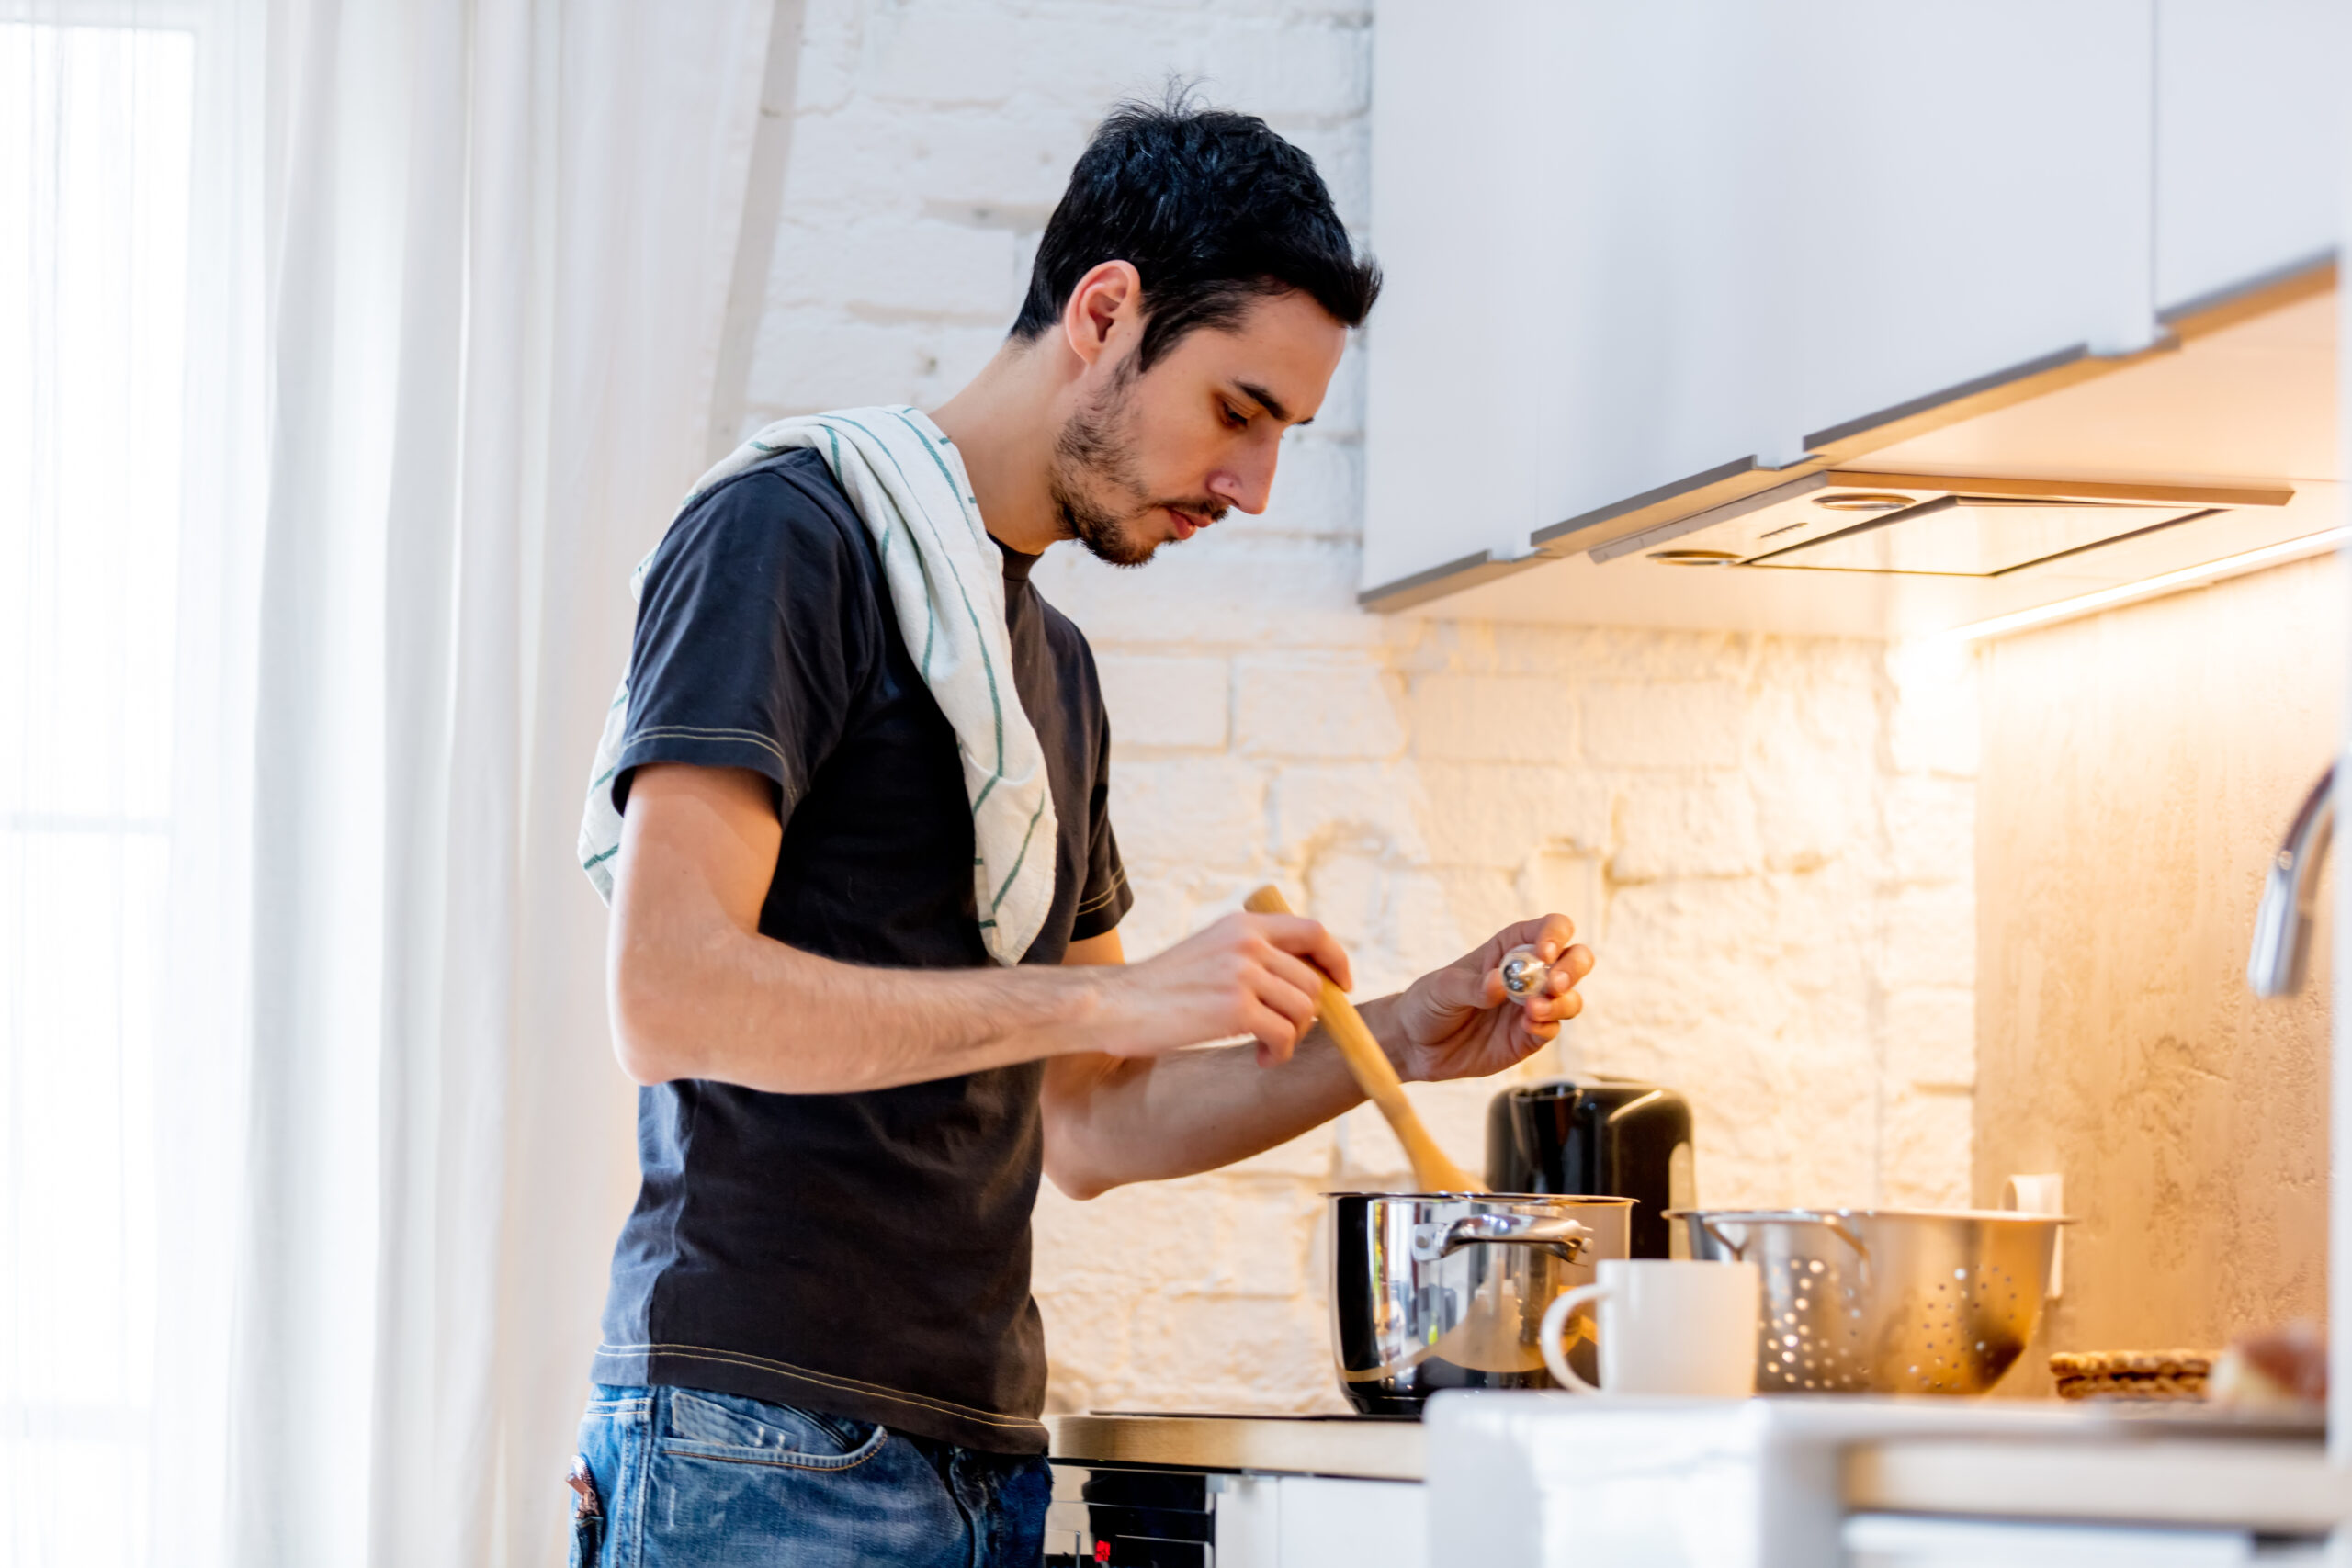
x=1105, y=301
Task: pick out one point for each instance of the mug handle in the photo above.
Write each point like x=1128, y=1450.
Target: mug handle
x=1555, y=1323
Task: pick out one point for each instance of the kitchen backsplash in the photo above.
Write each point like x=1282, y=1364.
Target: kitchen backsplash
x=1766, y=856
x=2139, y=768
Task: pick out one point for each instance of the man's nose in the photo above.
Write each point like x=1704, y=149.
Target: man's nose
x=1245, y=485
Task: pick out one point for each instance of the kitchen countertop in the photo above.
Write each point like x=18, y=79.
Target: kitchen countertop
x=2171, y=1472
x=1371, y=1448
x=2011, y=1459
x=1984, y=1458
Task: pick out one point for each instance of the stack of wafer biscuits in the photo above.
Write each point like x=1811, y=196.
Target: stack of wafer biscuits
x=2131, y=1374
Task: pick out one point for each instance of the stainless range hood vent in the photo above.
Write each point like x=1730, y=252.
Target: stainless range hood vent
x=1927, y=525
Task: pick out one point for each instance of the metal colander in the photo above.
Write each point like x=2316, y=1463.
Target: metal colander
x=1886, y=1301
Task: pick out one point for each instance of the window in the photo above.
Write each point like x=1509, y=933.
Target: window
x=96, y=125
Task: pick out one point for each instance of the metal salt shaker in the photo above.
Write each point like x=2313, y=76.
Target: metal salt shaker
x=1524, y=973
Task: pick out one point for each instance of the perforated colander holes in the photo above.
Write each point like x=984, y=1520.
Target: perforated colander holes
x=1995, y=1277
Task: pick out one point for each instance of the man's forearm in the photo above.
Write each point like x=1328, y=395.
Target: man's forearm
x=698, y=991
x=1195, y=1111
x=745, y=1010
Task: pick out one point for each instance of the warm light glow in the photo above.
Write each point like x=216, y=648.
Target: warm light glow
x=2148, y=588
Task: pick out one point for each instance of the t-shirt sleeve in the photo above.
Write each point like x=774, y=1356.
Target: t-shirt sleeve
x=748, y=650
x=1104, y=898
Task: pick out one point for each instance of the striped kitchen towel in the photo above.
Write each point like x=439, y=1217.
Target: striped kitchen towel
x=947, y=581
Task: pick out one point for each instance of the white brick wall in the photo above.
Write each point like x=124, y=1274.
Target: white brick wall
x=1768, y=841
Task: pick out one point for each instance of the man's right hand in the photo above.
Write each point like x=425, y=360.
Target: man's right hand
x=1259, y=975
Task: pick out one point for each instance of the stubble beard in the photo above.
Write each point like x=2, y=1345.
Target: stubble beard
x=1097, y=490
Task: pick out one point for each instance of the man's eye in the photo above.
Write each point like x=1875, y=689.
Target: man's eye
x=1234, y=418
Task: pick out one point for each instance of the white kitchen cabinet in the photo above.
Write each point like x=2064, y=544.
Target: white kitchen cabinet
x=2249, y=133
x=1321, y=1521
x=1642, y=252
x=1627, y=244
x=1984, y=176
x=1560, y=196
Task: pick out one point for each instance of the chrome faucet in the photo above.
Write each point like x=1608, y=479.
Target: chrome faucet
x=2282, y=926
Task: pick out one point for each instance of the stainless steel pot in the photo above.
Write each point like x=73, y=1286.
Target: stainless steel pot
x=1448, y=1289
x=1886, y=1301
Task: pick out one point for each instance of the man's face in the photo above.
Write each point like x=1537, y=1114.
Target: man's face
x=1151, y=458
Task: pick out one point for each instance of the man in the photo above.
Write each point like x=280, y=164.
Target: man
x=820, y=1345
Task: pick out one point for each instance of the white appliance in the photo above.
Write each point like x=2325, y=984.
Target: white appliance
x=1556, y=1480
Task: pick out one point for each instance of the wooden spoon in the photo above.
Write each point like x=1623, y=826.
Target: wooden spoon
x=1432, y=1172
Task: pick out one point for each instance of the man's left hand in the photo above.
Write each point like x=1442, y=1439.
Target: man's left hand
x=1457, y=1022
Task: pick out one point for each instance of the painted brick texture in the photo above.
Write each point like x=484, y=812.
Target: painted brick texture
x=1768, y=841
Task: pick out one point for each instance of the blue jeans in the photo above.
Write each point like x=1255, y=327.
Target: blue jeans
x=679, y=1478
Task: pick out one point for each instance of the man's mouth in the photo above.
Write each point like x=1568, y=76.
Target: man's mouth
x=1187, y=523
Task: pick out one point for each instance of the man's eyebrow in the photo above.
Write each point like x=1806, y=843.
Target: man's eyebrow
x=1267, y=401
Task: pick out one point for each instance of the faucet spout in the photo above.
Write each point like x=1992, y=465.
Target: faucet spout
x=2282, y=926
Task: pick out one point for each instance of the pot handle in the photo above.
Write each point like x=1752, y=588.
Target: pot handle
x=1555, y=1322
x=1847, y=1234
x=1738, y=1250
x=1563, y=1237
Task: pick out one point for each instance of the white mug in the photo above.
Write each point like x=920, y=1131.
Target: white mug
x=1667, y=1325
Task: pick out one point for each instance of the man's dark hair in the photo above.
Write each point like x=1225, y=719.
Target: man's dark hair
x=1214, y=210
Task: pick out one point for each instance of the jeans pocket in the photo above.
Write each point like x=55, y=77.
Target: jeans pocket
x=587, y=1539
x=607, y=1483
x=700, y=1425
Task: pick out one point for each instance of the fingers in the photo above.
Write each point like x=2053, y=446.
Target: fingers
x=1308, y=940
x=1527, y=1032
x=1548, y=936
x=1560, y=999
x=1278, y=1033
x=1290, y=995
x=1254, y=974
x=1555, y=1009
x=1280, y=957
x=1538, y=1022
x=1294, y=973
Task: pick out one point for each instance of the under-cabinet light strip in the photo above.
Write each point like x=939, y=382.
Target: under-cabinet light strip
x=2148, y=588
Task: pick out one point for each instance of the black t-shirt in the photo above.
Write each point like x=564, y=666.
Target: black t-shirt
x=864, y=1254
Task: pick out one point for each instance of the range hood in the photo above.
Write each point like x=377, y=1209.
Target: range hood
x=1931, y=526
x=2050, y=491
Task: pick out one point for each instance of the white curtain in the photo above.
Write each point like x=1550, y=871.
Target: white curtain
x=501, y=241
x=455, y=279
x=95, y=243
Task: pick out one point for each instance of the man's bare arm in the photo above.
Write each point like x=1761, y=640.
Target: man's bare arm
x=698, y=992
x=1109, y=1121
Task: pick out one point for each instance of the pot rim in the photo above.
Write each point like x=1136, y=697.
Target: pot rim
x=1801, y=1215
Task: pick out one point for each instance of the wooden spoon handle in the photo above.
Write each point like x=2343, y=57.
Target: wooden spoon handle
x=1432, y=1172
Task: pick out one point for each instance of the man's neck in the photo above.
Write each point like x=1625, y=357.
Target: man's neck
x=1003, y=423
